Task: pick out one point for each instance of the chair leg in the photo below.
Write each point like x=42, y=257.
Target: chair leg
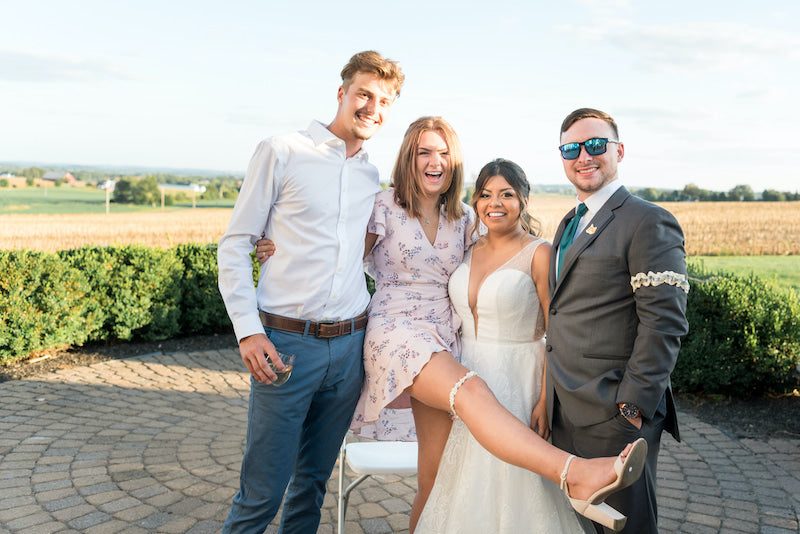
x=340, y=511
x=345, y=498
x=344, y=493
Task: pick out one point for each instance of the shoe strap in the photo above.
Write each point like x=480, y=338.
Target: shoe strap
x=564, y=472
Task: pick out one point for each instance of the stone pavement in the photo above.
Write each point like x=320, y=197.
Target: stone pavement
x=153, y=444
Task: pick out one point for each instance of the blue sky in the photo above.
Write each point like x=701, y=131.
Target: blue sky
x=703, y=92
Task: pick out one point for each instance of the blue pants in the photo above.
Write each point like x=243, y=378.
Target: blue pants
x=294, y=433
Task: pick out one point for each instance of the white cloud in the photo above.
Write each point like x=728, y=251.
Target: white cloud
x=24, y=66
x=692, y=47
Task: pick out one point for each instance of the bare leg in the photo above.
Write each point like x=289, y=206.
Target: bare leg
x=502, y=434
x=433, y=428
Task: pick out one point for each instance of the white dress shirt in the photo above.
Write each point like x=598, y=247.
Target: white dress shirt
x=596, y=201
x=304, y=193
x=593, y=205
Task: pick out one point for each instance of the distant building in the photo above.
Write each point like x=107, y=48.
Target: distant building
x=54, y=176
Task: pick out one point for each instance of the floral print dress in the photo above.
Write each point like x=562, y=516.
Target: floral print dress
x=410, y=315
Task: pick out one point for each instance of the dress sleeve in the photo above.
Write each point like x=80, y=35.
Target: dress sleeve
x=377, y=226
x=470, y=236
x=380, y=211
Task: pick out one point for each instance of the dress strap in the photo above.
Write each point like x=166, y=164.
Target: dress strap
x=522, y=260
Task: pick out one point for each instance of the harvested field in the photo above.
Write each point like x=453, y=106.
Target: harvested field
x=711, y=228
x=714, y=228
x=739, y=228
x=155, y=229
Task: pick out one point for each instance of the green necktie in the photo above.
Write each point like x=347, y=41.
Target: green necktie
x=569, y=234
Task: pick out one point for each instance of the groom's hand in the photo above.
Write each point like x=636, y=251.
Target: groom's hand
x=636, y=421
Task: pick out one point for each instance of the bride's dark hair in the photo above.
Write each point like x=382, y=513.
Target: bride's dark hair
x=516, y=178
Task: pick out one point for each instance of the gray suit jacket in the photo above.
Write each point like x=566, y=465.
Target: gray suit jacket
x=607, y=343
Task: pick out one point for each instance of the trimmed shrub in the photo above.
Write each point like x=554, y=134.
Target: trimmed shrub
x=203, y=307
x=43, y=303
x=107, y=294
x=744, y=337
x=135, y=288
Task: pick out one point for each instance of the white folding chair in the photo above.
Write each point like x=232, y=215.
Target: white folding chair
x=368, y=458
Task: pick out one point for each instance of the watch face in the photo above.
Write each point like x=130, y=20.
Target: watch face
x=629, y=411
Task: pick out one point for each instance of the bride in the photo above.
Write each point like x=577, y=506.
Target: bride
x=499, y=292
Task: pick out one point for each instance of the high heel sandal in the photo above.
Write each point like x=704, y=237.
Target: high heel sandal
x=628, y=471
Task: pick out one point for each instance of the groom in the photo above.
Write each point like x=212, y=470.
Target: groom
x=617, y=313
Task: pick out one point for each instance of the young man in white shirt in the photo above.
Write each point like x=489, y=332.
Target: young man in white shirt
x=312, y=192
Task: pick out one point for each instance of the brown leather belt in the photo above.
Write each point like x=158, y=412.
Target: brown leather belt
x=321, y=330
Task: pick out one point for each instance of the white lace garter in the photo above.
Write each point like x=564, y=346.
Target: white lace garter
x=453, y=391
x=656, y=279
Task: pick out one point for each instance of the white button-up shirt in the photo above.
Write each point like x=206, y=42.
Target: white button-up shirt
x=314, y=202
x=596, y=201
x=593, y=204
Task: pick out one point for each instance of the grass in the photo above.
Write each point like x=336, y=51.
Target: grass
x=784, y=269
x=78, y=200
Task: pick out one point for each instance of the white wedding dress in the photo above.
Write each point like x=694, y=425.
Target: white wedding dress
x=475, y=492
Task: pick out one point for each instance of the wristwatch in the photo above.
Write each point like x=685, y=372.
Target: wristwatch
x=628, y=410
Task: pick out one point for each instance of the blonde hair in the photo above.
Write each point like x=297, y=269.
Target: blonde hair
x=371, y=62
x=516, y=178
x=404, y=175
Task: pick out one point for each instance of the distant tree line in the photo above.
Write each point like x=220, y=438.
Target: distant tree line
x=693, y=193
x=144, y=190
x=140, y=189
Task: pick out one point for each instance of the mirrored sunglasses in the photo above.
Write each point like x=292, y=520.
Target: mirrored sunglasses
x=594, y=147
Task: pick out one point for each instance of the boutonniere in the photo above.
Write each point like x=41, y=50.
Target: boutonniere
x=591, y=230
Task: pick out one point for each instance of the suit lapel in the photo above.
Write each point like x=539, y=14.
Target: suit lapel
x=584, y=239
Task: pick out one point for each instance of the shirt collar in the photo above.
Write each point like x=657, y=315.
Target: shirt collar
x=320, y=134
x=599, y=198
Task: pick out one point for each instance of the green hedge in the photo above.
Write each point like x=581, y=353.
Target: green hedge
x=203, y=308
x=744, y=332
x=50, y=300
x=43, y=303
x=135, y=290
x=744, y=336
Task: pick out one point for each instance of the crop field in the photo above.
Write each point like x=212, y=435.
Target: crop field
x=714, y=228
x=711, y=228
x=739, y=228
x=154, y=228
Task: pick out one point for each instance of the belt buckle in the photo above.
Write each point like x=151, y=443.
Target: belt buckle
x=318, y=332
